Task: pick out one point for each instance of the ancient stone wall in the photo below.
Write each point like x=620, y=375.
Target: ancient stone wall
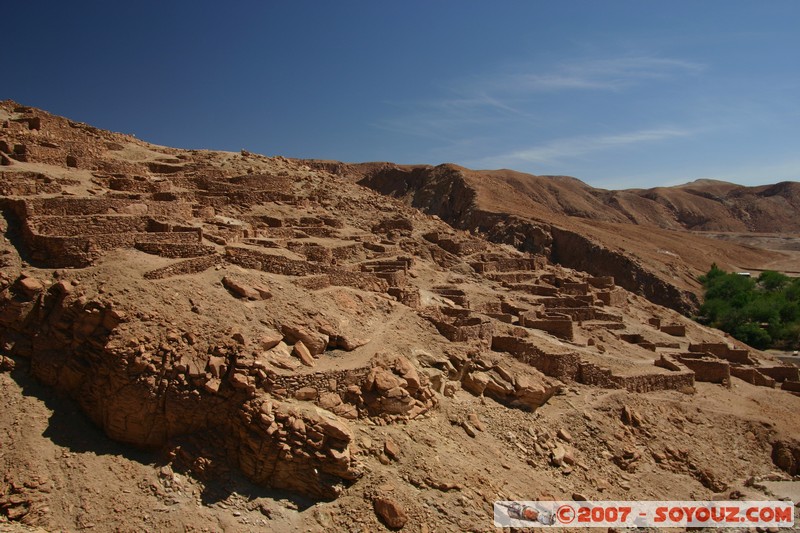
x=174, y=250
x=752, y=376
x=676, y=330
x=275, y=264
x=613, y=297
x=722, y=350
x=564, y=366
x=707, y=368
x=591, y=374
x=188, y=266
x=562, y=328
x=781, y=373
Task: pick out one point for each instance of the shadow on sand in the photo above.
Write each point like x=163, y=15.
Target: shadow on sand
x=69, y=427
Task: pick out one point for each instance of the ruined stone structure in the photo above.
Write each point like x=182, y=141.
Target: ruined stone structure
x=266, y=310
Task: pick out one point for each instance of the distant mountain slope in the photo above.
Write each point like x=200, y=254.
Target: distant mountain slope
x=703, y=205
x=637, y=236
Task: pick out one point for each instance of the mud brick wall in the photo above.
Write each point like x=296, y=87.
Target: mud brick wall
x=722, y=350
x=633, y=338
x=562, y=328
x=668, y=362
x=408, y=297
x=187, y=266
x=82, y=250
x=458, y=296
x=574, y=288
x=605, y=315
x=502, y=317
x=514, y=345
x=575, y=313
x=738, y=356
x=752, y=376
x=791, y=386
x=461, y=247
x=349, y=252
x=613, y=297
x=706, y=368
x=215, y=201
x=89, y=225
x=317, y=231
x=601, y=282
x=509, y=264
x=591, y=374
x=261, y=197
x=379, y=248
x=509, y=307
x=274, y=264
x=263, y=182
x=266, y=243
x=206, y=183
x=386, y=265
x=394, y=279
x=562, y=366
x=279, y=233
x=174, y=250
x=312, y=252
x=399, y=223
x=459, y=325
x=333, y=381
x=512, y=277
x=171, y=210
x=314, y=283
x=676, y=330
x=72, y=206
x=653, y=382
x=193, y=236
x=58, y=252
x=538, y=290
x=781, y=373
x=26, y=183
x=138, y=185
x=175, y=196
x=522, y=263
x=358, y=280
x=563, y=301
x=102, y=206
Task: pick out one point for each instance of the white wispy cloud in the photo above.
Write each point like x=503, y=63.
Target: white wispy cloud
x=504, y=98
x=559, y=150
x=600, y=74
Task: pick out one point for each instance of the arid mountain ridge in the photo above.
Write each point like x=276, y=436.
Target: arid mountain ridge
x=700, y=205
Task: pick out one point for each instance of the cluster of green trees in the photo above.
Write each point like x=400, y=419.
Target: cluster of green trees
x=763, y=312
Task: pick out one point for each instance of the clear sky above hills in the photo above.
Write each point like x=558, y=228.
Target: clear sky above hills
x=617, y=93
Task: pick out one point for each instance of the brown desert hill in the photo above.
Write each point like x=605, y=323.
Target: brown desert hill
x=702, y=205
x=212, y=341
x=575, y=225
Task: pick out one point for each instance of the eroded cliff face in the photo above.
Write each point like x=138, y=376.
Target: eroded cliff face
x=444, y=191
x=579, y=252
x=81, y=347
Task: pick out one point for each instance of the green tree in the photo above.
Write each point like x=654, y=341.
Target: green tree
x=763, y=312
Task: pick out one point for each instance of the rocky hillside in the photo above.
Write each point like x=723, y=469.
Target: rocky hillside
x=638, y=237
x=225, y=341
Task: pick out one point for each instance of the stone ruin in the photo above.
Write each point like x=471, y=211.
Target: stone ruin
x=515, y=328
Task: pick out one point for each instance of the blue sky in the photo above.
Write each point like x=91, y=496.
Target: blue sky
x=616, y=93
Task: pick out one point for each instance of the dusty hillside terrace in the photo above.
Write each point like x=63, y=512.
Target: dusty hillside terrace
x=239, y=313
